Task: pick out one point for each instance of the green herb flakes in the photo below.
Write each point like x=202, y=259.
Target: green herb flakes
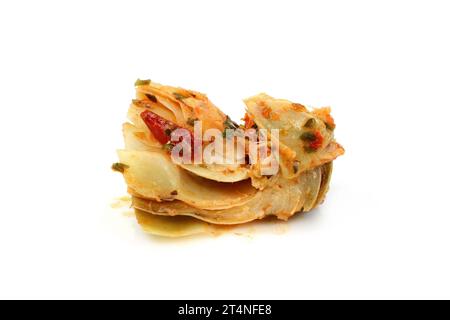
x=140, y=82
x=330, y=126
x=179, y=96
x=230, y=124
x=168, y=146
x=295, y=167
x=119, y=167
x=191, y=121
x=308, y=136
x=310, y=123
x=309, y=149
x=151, y=97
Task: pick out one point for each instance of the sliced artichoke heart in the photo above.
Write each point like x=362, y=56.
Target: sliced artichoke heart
x=283, y=198
x=153, y=175
x=293, y=121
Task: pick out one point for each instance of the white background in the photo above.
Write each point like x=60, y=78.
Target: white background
x=67, y=70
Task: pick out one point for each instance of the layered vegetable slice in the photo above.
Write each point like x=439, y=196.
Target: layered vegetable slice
x=306, y=138
x=282, y=198
x=142, y=140
x=152, y=175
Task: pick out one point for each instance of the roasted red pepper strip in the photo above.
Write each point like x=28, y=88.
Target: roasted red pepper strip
x=162, y=128
x=317, y=143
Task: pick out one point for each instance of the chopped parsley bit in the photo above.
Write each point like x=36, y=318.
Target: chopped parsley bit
x=310, y=123
x=119, y=167
x=295, y=166
x=308, y=136
x=191, y=121
x=168, y=146
x=140, y=82
x=151, y=97
x=141, y=103
x=168, y=132
x=330, y=126
x=309, y=149
x=225, y=135
x=230, y=124
x=179, y=96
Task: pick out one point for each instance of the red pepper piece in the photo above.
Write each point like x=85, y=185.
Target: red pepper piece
x=317, y=143
x=162, y=128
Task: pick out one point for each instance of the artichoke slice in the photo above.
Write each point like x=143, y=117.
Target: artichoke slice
x=297, y=127
x=282, y=198
x=171, y=226
x=142, y=140
x=152, y=175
